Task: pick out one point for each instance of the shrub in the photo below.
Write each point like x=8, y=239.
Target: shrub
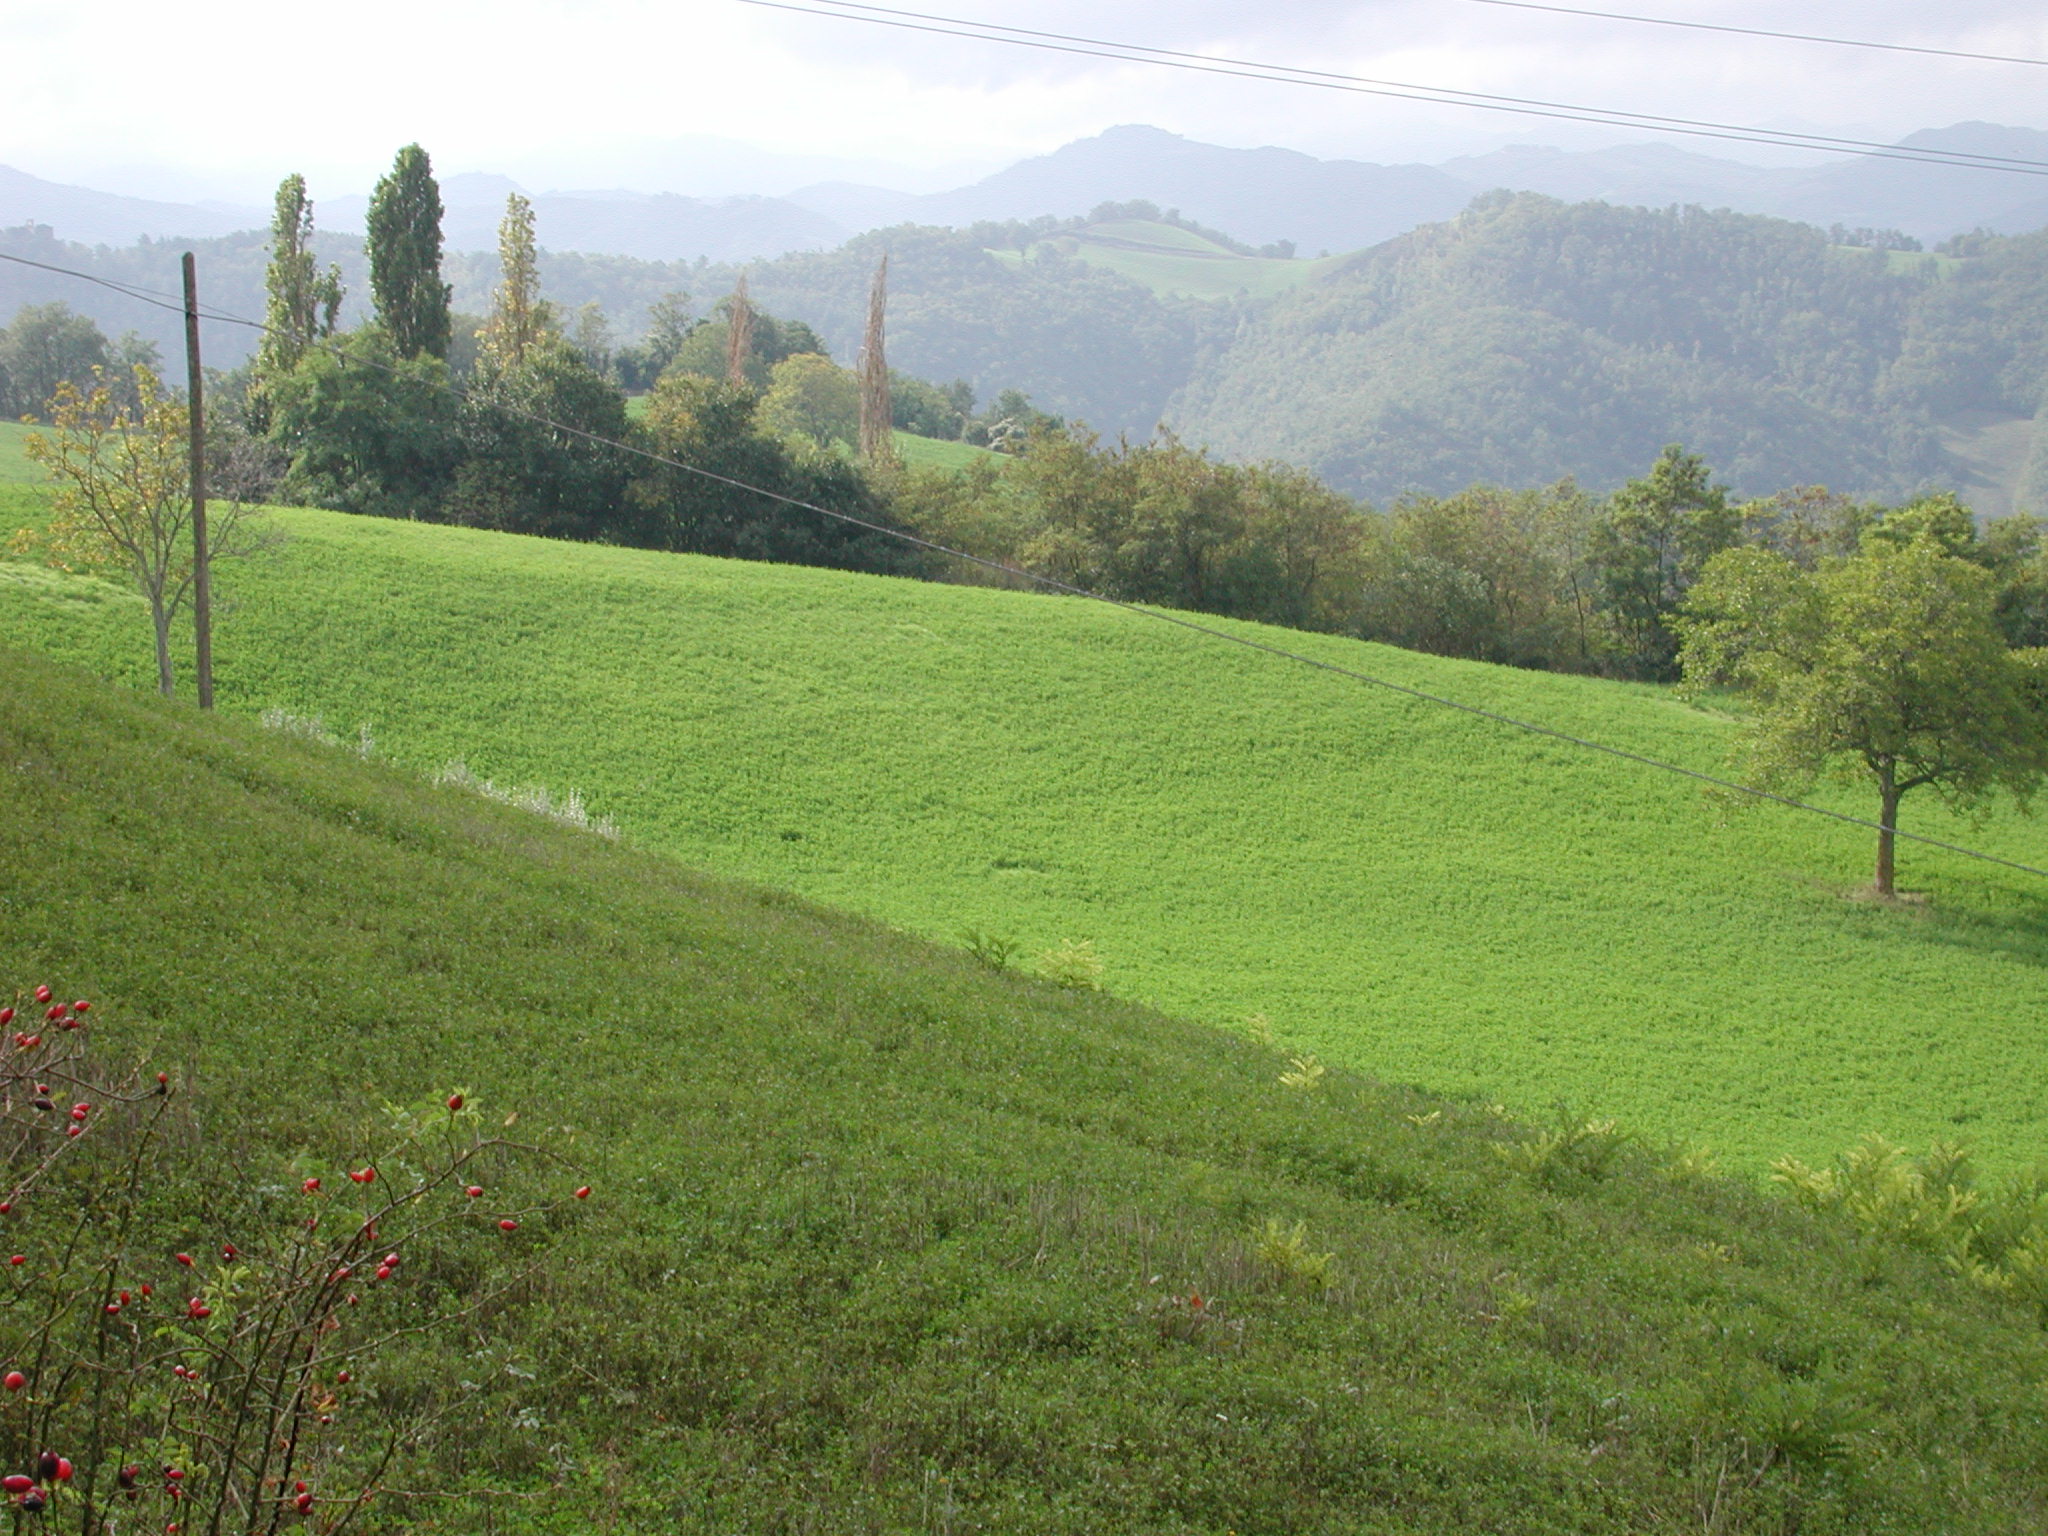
x=1072, y=964
x=206, y=1335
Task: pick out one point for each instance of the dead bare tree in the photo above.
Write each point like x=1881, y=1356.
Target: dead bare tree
x=877, y=439
x=739, y=339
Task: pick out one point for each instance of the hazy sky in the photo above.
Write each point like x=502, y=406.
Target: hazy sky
x=624, y=92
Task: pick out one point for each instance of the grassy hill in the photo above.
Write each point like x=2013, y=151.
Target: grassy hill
x=886, y=1242
x=1423, y=895
x=1179, y=263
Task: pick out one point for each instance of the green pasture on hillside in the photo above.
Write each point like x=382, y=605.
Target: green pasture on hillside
x=1172, y=261
x=883, y=1242
x=936, y=453
x=1428, y=896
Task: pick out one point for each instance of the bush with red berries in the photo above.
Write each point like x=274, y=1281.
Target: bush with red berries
x=212, y=1351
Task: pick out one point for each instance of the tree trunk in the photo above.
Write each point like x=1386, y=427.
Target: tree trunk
x=166, y=679
x=1888, y=821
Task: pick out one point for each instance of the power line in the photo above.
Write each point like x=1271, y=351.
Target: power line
x=1797, y=37
x=1068, y=589
x=1365, y=85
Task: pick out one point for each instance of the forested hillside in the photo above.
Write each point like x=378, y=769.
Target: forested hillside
x=1524, y=341
x=1531, y=339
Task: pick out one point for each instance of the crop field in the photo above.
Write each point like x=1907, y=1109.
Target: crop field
x=1173, y=261
x=884, y=1241
x=1423, y=895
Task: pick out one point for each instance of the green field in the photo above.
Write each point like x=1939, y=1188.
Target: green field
x=1178, y=262
x=1424, y=895
x=15, y=468
x=935, y=453
x=884, y=1242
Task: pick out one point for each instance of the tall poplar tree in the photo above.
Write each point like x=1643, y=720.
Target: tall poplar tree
x=304, y=303
x=519, y=316
x=404, y=247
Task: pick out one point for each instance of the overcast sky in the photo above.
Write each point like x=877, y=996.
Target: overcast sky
x=626, y=93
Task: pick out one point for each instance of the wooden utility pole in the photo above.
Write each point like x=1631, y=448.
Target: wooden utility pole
x=739, y=339
x=877, y=437
x=195, y=408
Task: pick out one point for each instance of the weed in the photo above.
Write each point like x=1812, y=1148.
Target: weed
x=1072, y=964
x=991, y=951
x=570, y=810
x=1285, y=1253
x=1810, y=1422
x=1573, y=1149
x=1303, y=1072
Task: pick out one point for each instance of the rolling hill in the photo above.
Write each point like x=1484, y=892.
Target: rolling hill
x=885, y=1241
x=1177, y=263
x=1415, y=893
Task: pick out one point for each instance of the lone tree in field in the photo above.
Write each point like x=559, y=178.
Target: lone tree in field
x=519, y=316
x=1887, y=668
x=404, y=247
x=877, y=440
x=124, y=495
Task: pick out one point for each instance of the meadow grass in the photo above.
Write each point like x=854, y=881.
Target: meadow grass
x=1175, y=262
x=885, y=1240
x=936, y=453
x=15, y=466
x=1420, y=894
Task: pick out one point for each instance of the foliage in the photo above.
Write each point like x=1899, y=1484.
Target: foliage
x=1425, y=894
x=1285, y=1252
x=1656, y=536
x=46, y=346
x=1156, y=522
x=1530, y=339
x=522, y=477
x=303, y=303
x=702, y=349
x=668, y=324
x=366, y=428
x=227, y=1350
x=929, y=410
x=1073, y=964
x=1491, y=574
x=812, y=399
x=1573, y=1150
x=402, y=244
x=123, y=498
x=520, y=317
x=712, y=427
x=1887, y=666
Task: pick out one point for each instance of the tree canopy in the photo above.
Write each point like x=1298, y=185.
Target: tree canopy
x=403, y=245
x=1887, y=667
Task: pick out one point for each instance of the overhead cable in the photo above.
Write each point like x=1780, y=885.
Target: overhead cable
x=1365, y=85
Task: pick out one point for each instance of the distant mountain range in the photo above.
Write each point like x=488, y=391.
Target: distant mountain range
x=1261, y=196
